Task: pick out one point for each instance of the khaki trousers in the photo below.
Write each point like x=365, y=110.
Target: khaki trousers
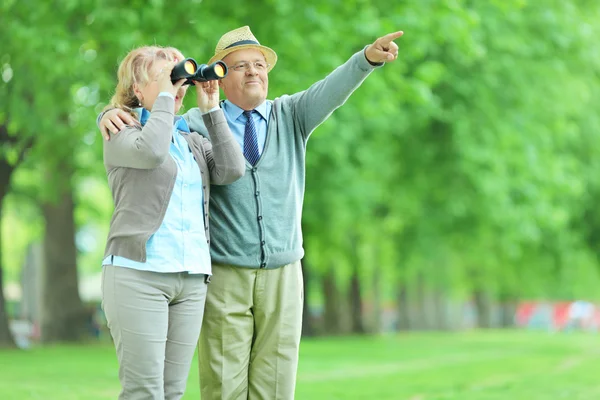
x=251, y=333
x=155, y=321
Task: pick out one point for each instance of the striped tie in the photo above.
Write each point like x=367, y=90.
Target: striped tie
x=250, y=140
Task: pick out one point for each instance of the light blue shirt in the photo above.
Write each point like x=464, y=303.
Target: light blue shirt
x=179, y=244
x=237, y=122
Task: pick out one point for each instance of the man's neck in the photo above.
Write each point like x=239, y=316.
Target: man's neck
x=248, y=106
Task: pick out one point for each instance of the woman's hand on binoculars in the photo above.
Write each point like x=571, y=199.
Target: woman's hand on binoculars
x=208, y=95
x=164, y=79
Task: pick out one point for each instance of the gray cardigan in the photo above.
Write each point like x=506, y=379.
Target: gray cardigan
x=256, y=220
x=141, y=174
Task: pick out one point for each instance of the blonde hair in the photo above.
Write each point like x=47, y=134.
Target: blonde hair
x=134, y=69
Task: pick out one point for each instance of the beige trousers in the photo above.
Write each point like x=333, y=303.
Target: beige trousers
x=155, y=321
x=251, y=333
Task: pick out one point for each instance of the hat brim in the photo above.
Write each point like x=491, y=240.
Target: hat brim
x=269, y=54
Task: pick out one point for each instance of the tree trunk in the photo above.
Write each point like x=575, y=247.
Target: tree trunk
x=482, y=308
x=6, y=339
x=403, y=307
x=429, y=308
x=63, y=317
x=356, y=308
x=442, y=310
x=508, y=308
x=377, y=323
x=331, y=315
x=308, y=328
x=419, y=317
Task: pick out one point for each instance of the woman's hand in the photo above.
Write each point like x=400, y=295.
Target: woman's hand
x=208, y=95
x=164, y=79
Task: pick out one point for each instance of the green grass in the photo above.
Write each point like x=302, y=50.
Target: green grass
x=420, y=366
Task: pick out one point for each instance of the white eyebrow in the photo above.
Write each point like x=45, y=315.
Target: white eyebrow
x=255, y=60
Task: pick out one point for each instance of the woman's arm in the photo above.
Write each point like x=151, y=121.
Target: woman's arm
x=147, y=147
x=224, y=157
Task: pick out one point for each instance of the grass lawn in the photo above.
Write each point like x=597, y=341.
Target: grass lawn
x=420, y=366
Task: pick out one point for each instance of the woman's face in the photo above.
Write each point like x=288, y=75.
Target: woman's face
x=147, y=93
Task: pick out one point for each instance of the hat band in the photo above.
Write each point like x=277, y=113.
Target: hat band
x=242, y=42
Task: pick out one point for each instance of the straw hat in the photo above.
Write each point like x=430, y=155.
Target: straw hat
x=238, y=39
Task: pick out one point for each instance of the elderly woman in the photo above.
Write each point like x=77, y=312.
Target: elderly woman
x=157, y=263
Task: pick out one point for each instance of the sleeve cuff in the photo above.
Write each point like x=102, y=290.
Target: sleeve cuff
x=215, y=108
x=368, y=64
x=166, y=94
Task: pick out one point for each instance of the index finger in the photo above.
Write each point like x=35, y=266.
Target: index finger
x=390, y=37
x=179, y=83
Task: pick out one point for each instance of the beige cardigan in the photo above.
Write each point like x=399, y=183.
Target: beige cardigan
x=141, y=174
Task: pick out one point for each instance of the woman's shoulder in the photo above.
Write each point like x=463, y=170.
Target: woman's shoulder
x=123, y=134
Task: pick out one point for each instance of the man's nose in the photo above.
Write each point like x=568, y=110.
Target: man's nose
x=251, y=70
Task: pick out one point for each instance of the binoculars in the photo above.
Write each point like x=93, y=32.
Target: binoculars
x=190, y=70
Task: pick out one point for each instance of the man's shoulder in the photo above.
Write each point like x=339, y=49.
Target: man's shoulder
x=283, y=100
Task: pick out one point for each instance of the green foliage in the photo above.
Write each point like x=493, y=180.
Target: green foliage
x=471, y=161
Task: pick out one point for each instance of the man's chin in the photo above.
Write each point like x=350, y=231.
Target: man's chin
x=256, y=96
x=254, y=89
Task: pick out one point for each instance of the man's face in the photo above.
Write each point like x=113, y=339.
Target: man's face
x=247, y=81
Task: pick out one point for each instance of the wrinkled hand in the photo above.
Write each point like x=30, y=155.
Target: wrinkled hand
x=208, y=95
x=383, y=49
x=114, y=120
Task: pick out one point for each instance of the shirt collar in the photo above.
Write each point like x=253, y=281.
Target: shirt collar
x=178, y=122
x=143, y=115
x=235, y=111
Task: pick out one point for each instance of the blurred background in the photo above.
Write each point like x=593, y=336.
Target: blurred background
x=456, y=189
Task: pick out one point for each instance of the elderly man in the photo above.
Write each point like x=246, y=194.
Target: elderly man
x=252, y=322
